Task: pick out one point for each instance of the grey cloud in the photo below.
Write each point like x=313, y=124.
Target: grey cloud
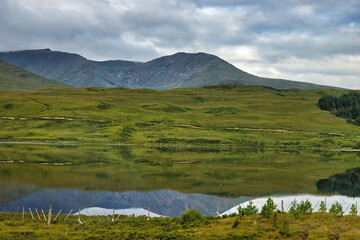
x=272, y=33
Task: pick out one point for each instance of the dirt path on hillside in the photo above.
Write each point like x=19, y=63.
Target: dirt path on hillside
x=260, y=129
x=45, y=118
x=186, y=125
x=175, y=125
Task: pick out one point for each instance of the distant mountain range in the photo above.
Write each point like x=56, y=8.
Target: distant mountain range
x=14, y=78
x=180, y=70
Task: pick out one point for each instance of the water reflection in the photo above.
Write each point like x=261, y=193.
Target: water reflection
x=162, y=202
x=226, y=173
x=347, y=183
x=285, y=202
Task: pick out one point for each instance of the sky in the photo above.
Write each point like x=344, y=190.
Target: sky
x=309, y=41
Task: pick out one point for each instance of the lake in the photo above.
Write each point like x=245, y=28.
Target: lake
x=165, y=181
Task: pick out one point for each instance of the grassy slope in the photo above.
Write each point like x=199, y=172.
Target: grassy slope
x=177, y=118
x=315, y=226
x=14, y=78
x=226, y=114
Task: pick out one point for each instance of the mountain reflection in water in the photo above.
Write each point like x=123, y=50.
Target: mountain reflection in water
x=162, y=202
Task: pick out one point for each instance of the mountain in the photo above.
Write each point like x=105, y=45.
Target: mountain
x=69, y=68
x=181, y=70
x=14, y=78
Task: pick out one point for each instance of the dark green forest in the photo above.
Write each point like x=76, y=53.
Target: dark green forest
x=346, y=106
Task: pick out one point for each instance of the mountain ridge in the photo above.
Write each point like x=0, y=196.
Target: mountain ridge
x=15, y=78
x=179, y=70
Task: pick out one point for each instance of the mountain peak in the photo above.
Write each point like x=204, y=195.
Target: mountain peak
x=180, y=70
x=198, y=54
x=45, y=50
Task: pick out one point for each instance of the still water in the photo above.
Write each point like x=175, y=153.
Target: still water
x=164, y=180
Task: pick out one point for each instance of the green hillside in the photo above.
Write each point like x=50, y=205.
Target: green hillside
x=14, y=78
x=230, y=114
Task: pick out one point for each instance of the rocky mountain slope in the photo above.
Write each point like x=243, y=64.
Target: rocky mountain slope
x=14, y=78
x=69, y=68
x=180, y=70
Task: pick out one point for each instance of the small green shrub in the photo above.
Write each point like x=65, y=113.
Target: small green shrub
x=275, y=218
x=173, y=108
x=126, y=132
x=293, y=207
x=305, y=207
x=302, y=208
x=337, y=209
x=249, y=210
x=285, y=229
x=236, y=223
x=103, y=106
x=192, y=217
x=8, y=105
x=268, y=208
x=322, y=207
x=353, y=210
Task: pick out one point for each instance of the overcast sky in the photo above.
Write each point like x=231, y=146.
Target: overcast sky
x=310, y=41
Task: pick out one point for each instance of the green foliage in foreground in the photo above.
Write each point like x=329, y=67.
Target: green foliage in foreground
x=249, y=210
x=353, y=209
x=322, y=207
x=314, y=226
x=268, y=208
x=222, y=115
x=337, y=209
x=300, y=209
x=192, y=217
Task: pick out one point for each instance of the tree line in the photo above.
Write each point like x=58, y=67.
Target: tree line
x=346, y=106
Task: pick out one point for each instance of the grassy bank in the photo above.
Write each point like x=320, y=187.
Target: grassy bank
x=231, y=114
x=283, y=226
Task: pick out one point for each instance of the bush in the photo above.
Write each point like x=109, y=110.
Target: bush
x=268, y=209
x=322, y=207
x=249, y=210
x=236, y=223
x=285, y=229
x=337, y=209
x=173, y=108
x=126, y=132
x=305, y=207
x=103, y=106
x=232, y=215
x=353, y=210
x=302, y=208
x=293, y=207
x=192, y=217
x=8, y=105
